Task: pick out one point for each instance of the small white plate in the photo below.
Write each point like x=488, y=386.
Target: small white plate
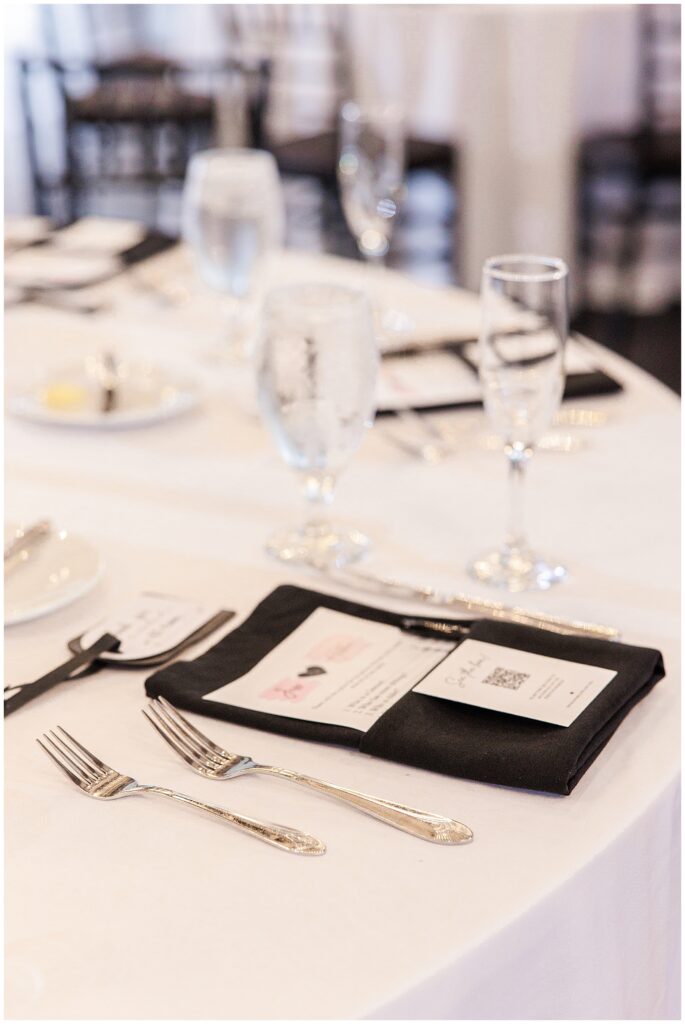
x=59, y=569
x=99, y=235
x=43, y=267
x=145, y=393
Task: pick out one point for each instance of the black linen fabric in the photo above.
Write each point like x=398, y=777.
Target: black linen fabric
x=154, y=243
x=576, y=385
x=427, y=732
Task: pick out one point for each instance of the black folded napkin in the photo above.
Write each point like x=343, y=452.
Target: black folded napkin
x=152, y=244
x=576, y=385
x=442, y=736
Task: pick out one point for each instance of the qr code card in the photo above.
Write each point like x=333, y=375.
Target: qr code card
x=516, y=682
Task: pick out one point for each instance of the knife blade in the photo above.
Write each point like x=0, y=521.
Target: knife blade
x=26, y=538
x=468, y=604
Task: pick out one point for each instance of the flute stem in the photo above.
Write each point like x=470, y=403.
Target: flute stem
x=518, y=455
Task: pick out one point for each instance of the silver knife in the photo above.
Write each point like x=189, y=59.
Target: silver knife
x=481, y=606
x=109, y=380
x=25, y=538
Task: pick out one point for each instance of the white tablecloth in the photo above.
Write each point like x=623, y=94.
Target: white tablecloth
x=560, y=908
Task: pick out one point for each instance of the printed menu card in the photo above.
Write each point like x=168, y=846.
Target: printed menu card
x=335, y=668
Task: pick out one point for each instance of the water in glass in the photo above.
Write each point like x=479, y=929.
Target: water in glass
x=317, y=367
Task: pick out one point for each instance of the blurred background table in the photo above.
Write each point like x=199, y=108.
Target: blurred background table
x=552, y=129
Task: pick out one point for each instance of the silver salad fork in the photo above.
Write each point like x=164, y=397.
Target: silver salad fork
x=98, y=780
x=213, y=762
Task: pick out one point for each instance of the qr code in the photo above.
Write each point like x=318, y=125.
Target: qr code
x=505, y=677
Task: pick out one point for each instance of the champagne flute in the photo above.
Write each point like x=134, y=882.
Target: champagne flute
x=317, y=364
x=370, y=175
x=232, y=215
x=524, y=303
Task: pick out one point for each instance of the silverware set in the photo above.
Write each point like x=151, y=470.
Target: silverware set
x=98, y=780
x=431, y=441
x=362, y=579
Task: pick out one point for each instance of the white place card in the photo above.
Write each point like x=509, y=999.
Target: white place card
x=150, y=625
x=516, y=682
x=337, y=669
x=424, y=380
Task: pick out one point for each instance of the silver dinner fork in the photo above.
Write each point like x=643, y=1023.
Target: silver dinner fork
x=98, y=780
x=213, y=762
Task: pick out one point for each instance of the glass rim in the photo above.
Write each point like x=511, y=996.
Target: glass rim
x=555, y=268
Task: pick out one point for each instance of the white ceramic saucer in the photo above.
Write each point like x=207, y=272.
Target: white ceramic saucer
x=58, y=570
x=72, y=396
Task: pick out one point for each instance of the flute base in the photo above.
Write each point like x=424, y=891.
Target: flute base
x=321, y=544
x=516, y=569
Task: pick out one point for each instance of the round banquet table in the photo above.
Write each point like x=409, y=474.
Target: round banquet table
x=561, y=907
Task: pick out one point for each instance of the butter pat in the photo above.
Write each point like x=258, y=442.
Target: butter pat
x=63, y=396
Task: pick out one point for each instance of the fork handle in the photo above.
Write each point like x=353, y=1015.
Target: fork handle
x=285, y=838
x=423, y=824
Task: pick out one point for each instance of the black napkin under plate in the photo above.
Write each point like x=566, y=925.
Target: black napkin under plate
x=439, y=735
x=576, y=385
x=152, y=244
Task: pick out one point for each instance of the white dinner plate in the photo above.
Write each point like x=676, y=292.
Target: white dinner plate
x=59, y=569
x=72, y=396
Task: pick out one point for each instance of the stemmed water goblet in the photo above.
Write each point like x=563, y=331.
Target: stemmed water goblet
x=371, y=168
x=524, y=304
x=317, y=365
x=232, y=217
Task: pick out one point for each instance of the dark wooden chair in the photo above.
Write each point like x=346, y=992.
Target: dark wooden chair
x=131, y=123
x=262, y=31
x=637, y=161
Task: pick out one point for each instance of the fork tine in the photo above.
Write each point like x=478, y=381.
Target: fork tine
x=192, y=761
x=86, y=768
x=187, y=743
x=189, y=727
x=68, y=761
x=162, y=715
x=95, y=760
x=67, y=771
